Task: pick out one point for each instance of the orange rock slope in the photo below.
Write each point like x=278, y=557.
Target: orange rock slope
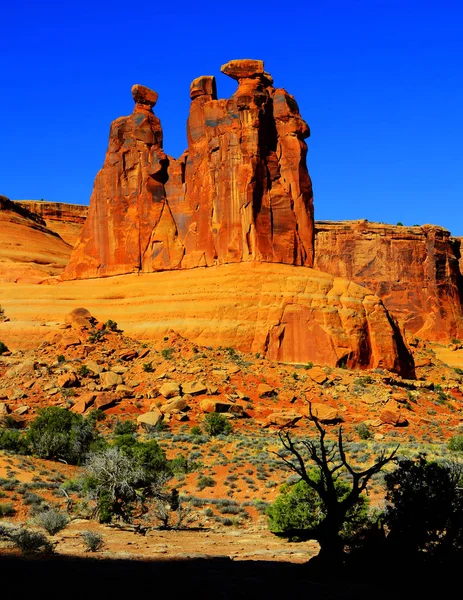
x=285, y=313
x=414, y=270
x=29, y=251
x=66, y=220
x=240, y=192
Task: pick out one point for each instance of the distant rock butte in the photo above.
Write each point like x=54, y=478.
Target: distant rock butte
x=29, y=251
x=241, y=192
x=416, y=271
x=66, y=220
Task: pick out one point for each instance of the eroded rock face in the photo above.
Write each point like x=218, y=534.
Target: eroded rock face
x=414, y=270
x=129, y=226
x=241, y=191
x=66, y=220
x=29, y=251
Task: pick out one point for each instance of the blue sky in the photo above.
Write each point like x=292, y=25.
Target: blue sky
x=379, y=82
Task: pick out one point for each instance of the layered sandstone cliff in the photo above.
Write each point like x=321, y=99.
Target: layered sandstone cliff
x=414, y=270
x=66, y=220
x=241, y=191
x=285, y=313
x=29, y=251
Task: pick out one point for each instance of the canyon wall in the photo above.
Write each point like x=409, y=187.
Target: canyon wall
x=66, y=220
x=29, y=251
x=414, y=270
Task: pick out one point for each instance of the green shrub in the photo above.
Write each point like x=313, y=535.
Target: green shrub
x=148, y=367
x=363, y=431
x=196, y=430
x=93, y=541
x=205, y=481
x=166, y=353
x=32, y=542
x=111, y=325
x=7, y=509
x=13, y=440
x=298, y=506
x=61, y=358
x=456, y=443
x=83, y=371
x=51, y=520
x=216, y=424
x=59, y=434
x=125, y=427
x=96, y=336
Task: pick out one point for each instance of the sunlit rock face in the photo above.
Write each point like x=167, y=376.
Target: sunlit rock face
x=241, y=191
x=416, y=271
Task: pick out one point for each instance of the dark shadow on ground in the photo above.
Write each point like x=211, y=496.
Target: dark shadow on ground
x=64, y=578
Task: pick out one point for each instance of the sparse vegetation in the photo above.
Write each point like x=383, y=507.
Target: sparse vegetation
x=93, y=541
x=51, y=520
x=148, y=367
x=217, y=424
x=167, y=353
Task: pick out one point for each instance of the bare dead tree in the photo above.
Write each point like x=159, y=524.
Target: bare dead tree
x=329, y=459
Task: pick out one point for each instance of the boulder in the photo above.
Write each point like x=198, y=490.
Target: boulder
x=68, y=380
x=149, y=419
x=265, y=391
x=176, y=404
x=323, y=412
x=317, y=374
x=194, y=388
x=392, y=415
x=212, y=405
x=170, y=389
x=283, y=419
x=105, y=400
x=109, y=380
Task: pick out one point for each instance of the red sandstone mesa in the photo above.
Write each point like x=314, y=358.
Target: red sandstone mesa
x=240, y=192
x=414, y=270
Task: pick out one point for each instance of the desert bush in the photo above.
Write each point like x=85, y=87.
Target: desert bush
x=148, y=367
x=122, y=476
x=166, y=353
x=456, y=443
x=425, y=506
x=125, y=427
x=83, y=371
x=93, y=541
x=216, y=424
x=59, y=434
x=61, y=358
x=299, y=507
x=7, y=509
x=13, y=440
x=363, y=431
x=26, y=540
x=51, y=520
x=205, y=481
x=111, y=325
x=96, y=336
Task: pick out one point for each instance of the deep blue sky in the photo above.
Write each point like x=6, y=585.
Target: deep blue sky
x=379, y=82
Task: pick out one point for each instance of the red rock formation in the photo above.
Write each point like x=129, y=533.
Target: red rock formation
x=240, y=192
x=66, y=220
x=414, y=270
x=247, y=193
x=129, y=226
x=29, y=251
